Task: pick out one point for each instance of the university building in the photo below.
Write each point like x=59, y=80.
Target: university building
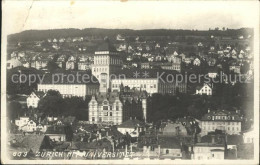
x=227, y=121
x=68, y=86
x=151, y=82
x=114, y=108
x=106, y=61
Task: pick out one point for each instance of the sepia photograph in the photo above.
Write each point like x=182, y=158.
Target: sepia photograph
x=130, y=82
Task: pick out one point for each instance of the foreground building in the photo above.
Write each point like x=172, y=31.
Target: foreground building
x=227, y=121
x=206, y=151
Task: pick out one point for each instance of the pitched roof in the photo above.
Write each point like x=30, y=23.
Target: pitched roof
x=31, y=142
x=131, y=123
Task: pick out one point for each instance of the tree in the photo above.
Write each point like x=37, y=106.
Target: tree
x=52, y=66
x=14, y=109
x=52, y=103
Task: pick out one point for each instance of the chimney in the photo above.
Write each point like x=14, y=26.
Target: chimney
x=99, y=136
x=107, y=133
x=238, y=112
x=159, y=150
x=208, y=110
x=130, y=118
x=125, y=150
x=212, y=139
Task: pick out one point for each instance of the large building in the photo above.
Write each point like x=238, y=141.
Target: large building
x=114, y=108
x=150, y=81
x=227, y=121
x=80, y=84
x=106, y=108
x=106, y=61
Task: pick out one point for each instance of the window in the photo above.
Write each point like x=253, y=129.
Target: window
x=105, y=113
x=117, y=107
x=167, y=151
x=93, y=118
x=111, y=114
x=105, y=107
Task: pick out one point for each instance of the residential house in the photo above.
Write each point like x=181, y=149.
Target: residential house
x=249, y=136
x=196, y=62
x=169, y=147
x=23, y=120
x=235, y=69
x=61, y=61
x=205, y=89
x=71, y=63
x=29, y=127
x=132, y=126
x=213, y=72
x=13, y=63
x=34, y=98
x=145, y=65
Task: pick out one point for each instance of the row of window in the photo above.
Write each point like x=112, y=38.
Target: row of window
x=228, y=128
x=220, y=123
x=99, y=69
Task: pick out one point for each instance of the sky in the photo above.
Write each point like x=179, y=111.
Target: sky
x=201, y=15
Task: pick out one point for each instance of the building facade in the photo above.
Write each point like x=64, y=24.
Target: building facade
x=70, y=87
x=205, y=89
x=207, y=151
x=34, y=98
x=227, y=121
x=106, y=109
x=106, y=61
x=150, y=85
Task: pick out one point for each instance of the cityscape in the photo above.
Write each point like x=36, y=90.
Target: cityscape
x=126, y=94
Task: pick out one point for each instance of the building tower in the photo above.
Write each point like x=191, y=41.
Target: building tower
x=106, y=61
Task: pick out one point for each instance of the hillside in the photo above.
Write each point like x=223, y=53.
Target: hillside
x=36, y=35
